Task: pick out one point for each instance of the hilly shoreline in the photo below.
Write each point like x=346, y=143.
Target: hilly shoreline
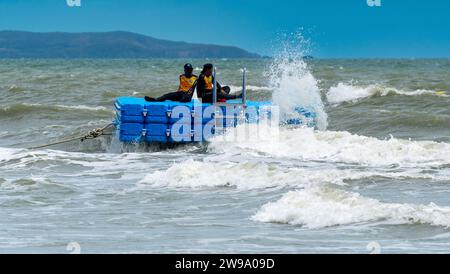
x=108, y=45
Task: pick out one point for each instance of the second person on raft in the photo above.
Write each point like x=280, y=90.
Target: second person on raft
x=204, y=84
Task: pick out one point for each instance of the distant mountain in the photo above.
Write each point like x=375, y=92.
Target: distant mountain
x=117, y=44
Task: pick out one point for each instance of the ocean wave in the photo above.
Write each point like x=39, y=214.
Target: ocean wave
x=21, y=108
x=48, y=77
x=247, y=175
x=4, y=133
x=15, y=88
x=305, y=144
x=250, y=88
x=92, y=164
x=29, y=183
x=22, y=158
x=7, y=153
x=343, y=92
x=256, y=175
x=324, y=207
x=195, y=174
x=111, y=94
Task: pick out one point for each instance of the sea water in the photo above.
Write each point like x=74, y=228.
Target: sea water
x=374, y=172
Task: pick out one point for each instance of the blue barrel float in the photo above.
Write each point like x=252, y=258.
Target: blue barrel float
x=174, y=122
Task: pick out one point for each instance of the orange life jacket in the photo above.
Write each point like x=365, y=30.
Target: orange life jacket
x=208, y=82
x=186, y=83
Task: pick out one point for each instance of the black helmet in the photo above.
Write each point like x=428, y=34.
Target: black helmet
x=188, y=67
x=206, y=67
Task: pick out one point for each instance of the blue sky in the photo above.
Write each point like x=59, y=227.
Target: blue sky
x=337, y=28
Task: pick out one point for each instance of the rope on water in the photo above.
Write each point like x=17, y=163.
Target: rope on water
x=93, y=134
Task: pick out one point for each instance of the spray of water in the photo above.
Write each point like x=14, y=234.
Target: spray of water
x=293, y=83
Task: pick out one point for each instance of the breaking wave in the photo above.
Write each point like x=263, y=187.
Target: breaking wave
x=324, y=207
x=343, y=92
x=254, y=175
x=305, y=144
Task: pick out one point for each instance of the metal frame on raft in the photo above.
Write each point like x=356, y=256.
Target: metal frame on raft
x=218, y=115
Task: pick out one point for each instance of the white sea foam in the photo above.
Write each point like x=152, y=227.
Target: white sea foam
x=347, y=92
x=194, y=174
x=247, y=163
x=92, y=164
x=248, y=175
x=214, y=172
x=305, y=144
x=6, y=153
x=323, y=207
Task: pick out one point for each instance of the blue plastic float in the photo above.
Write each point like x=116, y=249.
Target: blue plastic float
x=174, y=122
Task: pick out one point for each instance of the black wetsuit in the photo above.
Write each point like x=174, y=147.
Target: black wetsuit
x=206, y=94
x=176, y=96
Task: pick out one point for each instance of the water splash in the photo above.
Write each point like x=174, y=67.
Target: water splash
x=293, y=83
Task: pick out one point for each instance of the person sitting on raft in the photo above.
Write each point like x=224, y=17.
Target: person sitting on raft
x=205, y=87
x=188, y=82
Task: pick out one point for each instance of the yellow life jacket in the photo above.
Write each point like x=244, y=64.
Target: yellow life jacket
x=187, y=83
x=208, y=82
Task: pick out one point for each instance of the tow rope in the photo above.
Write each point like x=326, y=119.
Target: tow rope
x=93, y=134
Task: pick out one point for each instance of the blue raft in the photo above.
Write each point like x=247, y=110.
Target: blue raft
x=174, y=122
